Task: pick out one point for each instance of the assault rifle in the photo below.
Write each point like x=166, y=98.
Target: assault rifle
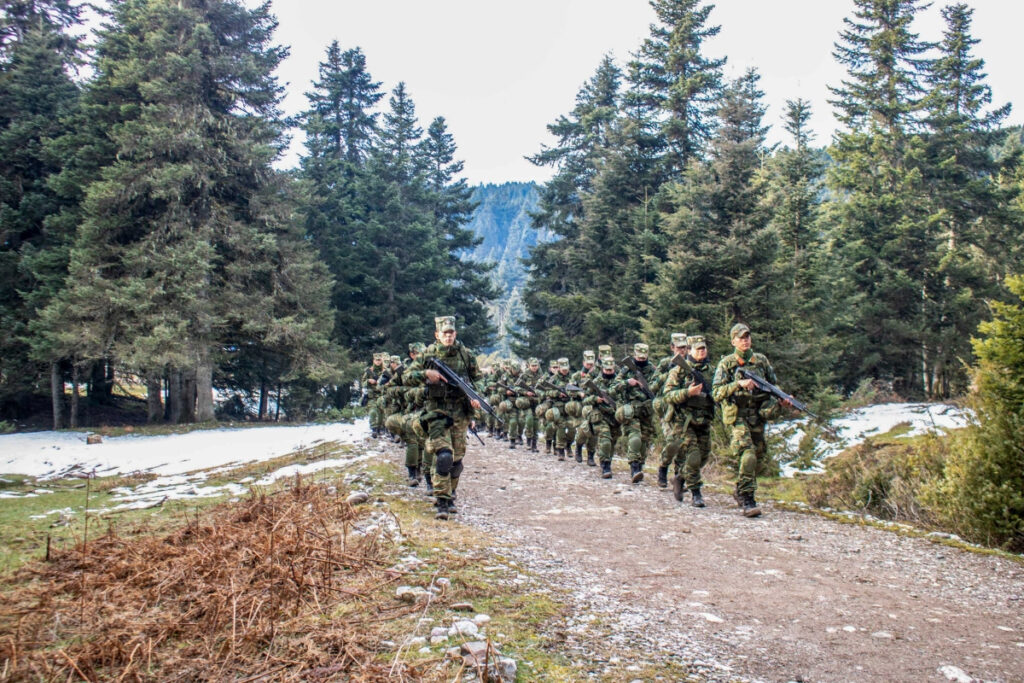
x=638, y=374
x=696, y=375
x=594, y=386
x=767, y=387
x=564, y=391
x=452, y=377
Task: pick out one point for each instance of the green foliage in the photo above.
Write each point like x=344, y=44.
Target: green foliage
x=982, y=491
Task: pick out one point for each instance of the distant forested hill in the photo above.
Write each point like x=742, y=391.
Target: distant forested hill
x=502, y=219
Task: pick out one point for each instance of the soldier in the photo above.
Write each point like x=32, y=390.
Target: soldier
x=416, y=458
x=678, y=347
x=745, y=410
x=602, y=416
x=584, y=434
x=557, y=415
x=369, y=380
x=393, y=397
x=687, y=420
x=512, y=403
x=635, y=413
x=549, y=426
x=531, y=376
x=447, y=411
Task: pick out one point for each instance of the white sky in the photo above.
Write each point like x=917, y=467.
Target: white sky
x=499, y=72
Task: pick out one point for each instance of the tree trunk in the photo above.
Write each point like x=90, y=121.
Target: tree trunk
x=57, y=394
x=264, y=400
x=277, y=408
x=74, y=396
x=204, y=388
x=154, y=399
x=174, y=396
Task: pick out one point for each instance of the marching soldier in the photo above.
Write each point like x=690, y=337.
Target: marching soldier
x=531, y=376
x=584, y=434
x=687, y=420
x=447, y=411
x=745, y=410
x=602, y=415
x=635, y=413
x=678, y=346
x=370, y=378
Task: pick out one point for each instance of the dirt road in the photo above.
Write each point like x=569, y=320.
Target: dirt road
x=784, y=597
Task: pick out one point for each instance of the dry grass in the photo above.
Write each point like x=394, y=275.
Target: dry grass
x=276, y=587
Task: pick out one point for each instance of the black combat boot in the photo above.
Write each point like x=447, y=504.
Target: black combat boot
x=698, y=500
x=533, y=445
x=579, y=452
x=637, y=470
x=512, y=443
x=678, y=490
x=590, y=458
x=429, y=482
x=560, y=452
x=451, y=504
x=547, y=447
x=750, y=508
x=441, y=508
x=606, y=469
x=663, y=477
x=414, y=476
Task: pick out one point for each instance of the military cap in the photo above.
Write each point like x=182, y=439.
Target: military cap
x=588, y=356
x=552, y=365
x=563, y=363
x=679, y=339
x=604, y=350
x=696, y=342
x=534, y=361
x=640, y=349
x=378, y=355
x=607, y=363
x=444, y=323
x=417, y=347
x=738, y=330
x=395, y=359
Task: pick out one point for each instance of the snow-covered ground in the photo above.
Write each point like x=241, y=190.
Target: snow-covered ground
x=182, y=461
x=854, y=427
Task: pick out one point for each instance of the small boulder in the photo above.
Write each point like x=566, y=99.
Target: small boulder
x=481, y=619
x=93, y=439
x=357, y=498
x=439, y=631
x=463, y=607
x=465, y=628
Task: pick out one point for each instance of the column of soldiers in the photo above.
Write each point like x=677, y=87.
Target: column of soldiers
x=633, y=406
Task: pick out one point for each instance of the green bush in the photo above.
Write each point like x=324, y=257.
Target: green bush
x=981, y=495
x=6, y=427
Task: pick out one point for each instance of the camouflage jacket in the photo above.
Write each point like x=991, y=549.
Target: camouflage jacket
x=591, y=399
x=676, y=392
x=622, y=390
x=738, y=403
x=373, y=372
x=442, y=396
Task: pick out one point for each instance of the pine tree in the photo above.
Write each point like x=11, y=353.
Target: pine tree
x=967, y=204
x=721, y=249
x=37, y=96
x=676, y=89
x=882, y=234
x=183, y=234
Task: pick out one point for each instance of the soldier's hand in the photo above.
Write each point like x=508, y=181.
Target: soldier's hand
x=747, y=384
x=600, y=399
x=695, y=390
x=530, y=394
x=475, y=403
x=371, y=381
x=509, y=392
x=433, y=376
x=633, y=382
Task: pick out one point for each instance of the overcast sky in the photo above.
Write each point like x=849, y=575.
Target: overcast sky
x=499, y=72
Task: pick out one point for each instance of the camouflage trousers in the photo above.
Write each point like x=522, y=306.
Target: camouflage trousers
x=376, y=413
x=585, y=436
x=560, y=425
x=605, y=432
x=688, y=446
x=639, y=434
x=749, y=448
x=445, y=432
x=415, y=444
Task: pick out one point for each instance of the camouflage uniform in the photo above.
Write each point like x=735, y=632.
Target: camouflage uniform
x=584, y=434
x=601, y=416
x=687, y=423
x=446, y=414
x=635, y=413
x=531, y=376
x=416, y=456
x=745, y=412
x=557, y=416
x=368, y=381
x=545, y=425
x=513, y=402
x=678, y=346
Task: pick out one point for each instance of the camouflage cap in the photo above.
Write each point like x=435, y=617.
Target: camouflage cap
x=563, y=363
x=696, y=342
x=534, y=361
x=604, y=350
x=552, y=365
x=588, y=356
x=378, y=356
x=738, y=330
x=444, y=323
x=417, y=347
x=607, y=363
x=679, y=339
x=396, y=360
x=641, y=349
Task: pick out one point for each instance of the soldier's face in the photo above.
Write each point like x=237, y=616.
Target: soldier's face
x=377, y=362
x=742, y=343
x=699, y=354
x=447, y=338
x=535, y=368
x=588, y=365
